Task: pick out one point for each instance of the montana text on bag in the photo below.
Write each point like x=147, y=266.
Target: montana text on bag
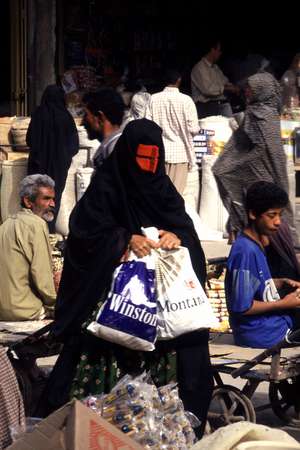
x=182, y=305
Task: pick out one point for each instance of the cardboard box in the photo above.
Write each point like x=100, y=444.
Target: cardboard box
x=75, y=427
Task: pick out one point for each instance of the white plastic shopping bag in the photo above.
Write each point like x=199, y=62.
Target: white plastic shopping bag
x=182, y=305
x=128, y=316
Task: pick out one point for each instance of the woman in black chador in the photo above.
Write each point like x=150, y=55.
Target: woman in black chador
x=53, y=140
x=129, y=191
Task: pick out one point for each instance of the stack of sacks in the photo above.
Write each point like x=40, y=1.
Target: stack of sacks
x=215, y=291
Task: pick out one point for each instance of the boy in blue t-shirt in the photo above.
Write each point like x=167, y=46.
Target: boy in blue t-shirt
x=259, y=318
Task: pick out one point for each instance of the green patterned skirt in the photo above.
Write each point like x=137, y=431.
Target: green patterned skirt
x=102, y=364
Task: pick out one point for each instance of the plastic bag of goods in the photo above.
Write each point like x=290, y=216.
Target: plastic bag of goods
x=128, y=315
x=155, y=418
x=182, y=305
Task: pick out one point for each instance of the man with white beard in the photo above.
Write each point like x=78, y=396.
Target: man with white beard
x=27, y=289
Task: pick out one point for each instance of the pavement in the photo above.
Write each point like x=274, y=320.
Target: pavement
x=223, y=345
x=260, y=397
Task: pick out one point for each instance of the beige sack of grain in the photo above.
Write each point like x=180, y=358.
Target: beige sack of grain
x=19, y=129
x=5, y=133
x=13, y=171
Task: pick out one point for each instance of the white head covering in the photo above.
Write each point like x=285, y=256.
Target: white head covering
x=139, y=103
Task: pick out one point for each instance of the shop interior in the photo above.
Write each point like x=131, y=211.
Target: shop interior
x=141, y=37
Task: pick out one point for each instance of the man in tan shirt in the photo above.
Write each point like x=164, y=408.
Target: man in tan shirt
x=26, y=279
x=209, y=84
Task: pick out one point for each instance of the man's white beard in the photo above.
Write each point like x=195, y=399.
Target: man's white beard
x=48, y=216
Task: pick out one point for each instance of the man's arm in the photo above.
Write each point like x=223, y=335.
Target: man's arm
x=192, y=117
x=280, y=282
x=41, y=266
x=290, y=301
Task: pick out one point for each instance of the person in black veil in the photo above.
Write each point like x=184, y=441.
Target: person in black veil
x=53, y=140
x=129, y=190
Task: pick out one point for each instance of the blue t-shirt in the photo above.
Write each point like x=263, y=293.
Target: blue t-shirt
x=248, y=278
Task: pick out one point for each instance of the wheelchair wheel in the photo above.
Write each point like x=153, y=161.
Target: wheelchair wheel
x=229, y=405
x=285, y=401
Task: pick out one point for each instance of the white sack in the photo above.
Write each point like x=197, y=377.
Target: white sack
x=13, y=171
x=68, y=201
x=212, y=212
x=83, y=179
x=229, y=437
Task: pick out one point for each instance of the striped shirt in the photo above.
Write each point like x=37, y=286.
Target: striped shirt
x=176, y=114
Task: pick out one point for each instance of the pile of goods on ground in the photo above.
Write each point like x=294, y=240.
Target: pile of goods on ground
x=153, y=417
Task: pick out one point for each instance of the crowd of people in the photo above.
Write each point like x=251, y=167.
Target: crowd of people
x=140, y=172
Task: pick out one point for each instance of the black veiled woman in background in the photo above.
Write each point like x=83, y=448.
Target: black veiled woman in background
x=53, y=140
x=129, y=190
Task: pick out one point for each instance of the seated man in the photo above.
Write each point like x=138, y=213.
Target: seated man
x=26, y=279
x=259, y=318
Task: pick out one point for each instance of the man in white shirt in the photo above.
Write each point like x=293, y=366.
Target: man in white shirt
x=209, y=84
x=176, y=114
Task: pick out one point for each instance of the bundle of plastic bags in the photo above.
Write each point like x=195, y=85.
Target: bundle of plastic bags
x=155, y=418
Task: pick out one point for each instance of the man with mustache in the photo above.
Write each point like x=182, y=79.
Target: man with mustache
x=103, y=115
x=27, y=289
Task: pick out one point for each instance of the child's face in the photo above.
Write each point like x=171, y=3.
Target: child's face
x=268, y=222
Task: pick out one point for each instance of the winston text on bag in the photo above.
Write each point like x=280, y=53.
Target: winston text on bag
x=121, y=306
